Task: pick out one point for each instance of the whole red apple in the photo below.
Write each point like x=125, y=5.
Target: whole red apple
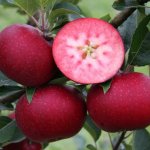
x=23, y=145
x=25, y=56
x=88, y=50
x=56, y=112
x=126, y=105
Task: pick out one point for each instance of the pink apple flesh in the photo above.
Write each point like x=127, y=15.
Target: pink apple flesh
x=88, y=50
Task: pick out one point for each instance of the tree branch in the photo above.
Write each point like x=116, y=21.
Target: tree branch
x=123, y=15
x=119, y=141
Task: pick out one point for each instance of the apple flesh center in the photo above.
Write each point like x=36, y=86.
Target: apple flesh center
x=93, y=54
x=88, y=50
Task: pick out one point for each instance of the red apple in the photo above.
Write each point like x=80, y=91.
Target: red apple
x=126, y=105
x=88, y=50
x=25, y=56
x=56, y=112
x=24, y=145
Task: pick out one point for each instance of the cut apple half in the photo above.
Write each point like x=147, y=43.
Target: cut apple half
x=88, y=50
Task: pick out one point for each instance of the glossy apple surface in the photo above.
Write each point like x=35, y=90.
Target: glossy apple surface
x=88, y=50
x=56, y=112
x=25, y=56
x=126, y=106
x=26, y=144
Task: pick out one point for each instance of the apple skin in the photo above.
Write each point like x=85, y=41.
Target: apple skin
x=126, y=105
x=56, y=112
x=26, y=144
x=25, y=56
x=23, y=145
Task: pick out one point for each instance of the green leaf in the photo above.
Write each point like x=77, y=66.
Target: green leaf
x=29, y=93
x=4, y=89
x=68, y=6
x=72, y=17
x=10, y=133
x=122, y=4
x=91, y=147
x=71, y=1
x=17, y=136
x=60, y=23
x=7, y=131
x=63, y=13
x=76, y=1
x=106, y=86
x=43, y=3
x=61, y=81
x=45, y=144
x=5, y=81
x=28, y=6
x=139, y=52
x=126, y=32
x=6, y=106
x=47, y=5
x=106, y=18
x=11, y=97
x=141, y=14
x=63, y=9
x=128, y=147
x=10, y=93
x=148, y=26
x=5, y=3
x=93, y=130
x=4, y=121
x=141, y=140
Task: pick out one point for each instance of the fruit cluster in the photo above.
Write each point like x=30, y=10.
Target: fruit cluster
x=86, y=51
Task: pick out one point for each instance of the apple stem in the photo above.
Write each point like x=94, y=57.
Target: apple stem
x=43, y=20
x=119, y=141
x=44, y=25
